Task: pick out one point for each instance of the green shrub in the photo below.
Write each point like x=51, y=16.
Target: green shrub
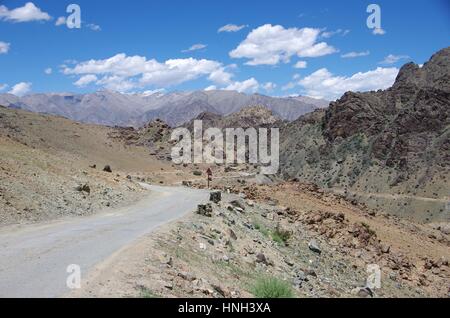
x=261, y=229
x=147, y=293
x=271, y=287
x=281, y=236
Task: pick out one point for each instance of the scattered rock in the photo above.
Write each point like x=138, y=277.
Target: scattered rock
x=385, y=248
x=362, y=292
x=314, y=246
x=167, y=260
x=84, y=188
x=237, y=204
x=261, y=258
x=186, y=276
x=289, y=262
x=219, y=290
x=186, y=183
x=232, y=234
x=107, y=168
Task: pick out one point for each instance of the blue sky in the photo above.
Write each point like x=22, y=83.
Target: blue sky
x=137, y=46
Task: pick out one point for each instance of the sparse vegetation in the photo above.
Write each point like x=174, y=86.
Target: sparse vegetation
x=264, y=231
x=147, y=293
x=272, y=287
x=280, y=236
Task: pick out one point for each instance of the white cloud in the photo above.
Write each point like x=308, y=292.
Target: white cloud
x=177, y=71
x=269, y=86
x=329, y=34
x=378, y=31
x=295, y=76
x=117, y=83
x=4, y=47
x=86, y=80
x=195, y=47
x=21, y=89
x=211, y=88
x=250, y=85
x=351, y=55
x=153, y=91
x=231, y=28
x=220, y=76
x=301, y=64
x=60, y=21
x=48, y=71
x=323, y=84
x=272, y=44
x=392, y=59
x=94, y=27
x=288, y=86
x=3, y=87
x=29, y=12
x=128, y=72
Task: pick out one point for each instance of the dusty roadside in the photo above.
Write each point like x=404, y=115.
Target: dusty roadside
x=318, y=243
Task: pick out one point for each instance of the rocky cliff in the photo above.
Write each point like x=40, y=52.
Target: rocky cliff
x=388, y=148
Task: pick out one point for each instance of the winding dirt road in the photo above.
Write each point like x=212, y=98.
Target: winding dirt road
x=34, y=259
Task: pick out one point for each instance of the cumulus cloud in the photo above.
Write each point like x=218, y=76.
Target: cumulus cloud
x=29, y=12
x=392, y=59
x=232, y=28
x=20, y=89
x=251, y=86
x=269, y=86
x=272, y=44
x=195, y=47
x=48, y=71
x=301, y=64
x=220, y=76
x=351, y=55
x=4, y=47
x=123, y=73
x=323, y=84
x=60, y=21
x=86, y=80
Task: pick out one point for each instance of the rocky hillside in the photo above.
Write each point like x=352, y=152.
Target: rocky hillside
x=388, y=148
x=255, y=116
x=113, y=108
x=52, y=167
x=313, y=243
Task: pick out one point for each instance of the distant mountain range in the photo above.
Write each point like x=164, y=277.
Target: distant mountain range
x=113, y=108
